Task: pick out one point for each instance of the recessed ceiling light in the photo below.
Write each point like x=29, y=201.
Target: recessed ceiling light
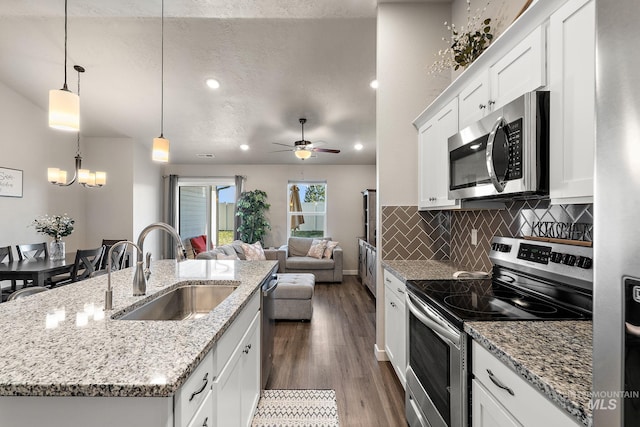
x=358, y=146
x=244, y=147
x=205, y=155
x=213, y=83
x=374, y=84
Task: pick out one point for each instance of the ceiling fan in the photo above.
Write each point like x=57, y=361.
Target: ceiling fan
x=303, y=148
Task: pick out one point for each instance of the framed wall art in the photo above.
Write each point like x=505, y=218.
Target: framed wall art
x=10, y=182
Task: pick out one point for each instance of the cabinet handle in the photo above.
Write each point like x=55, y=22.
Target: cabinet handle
x=491, y=102
x=387, y=280
x=206, y=422
x=246, y=349
x=393, y=304
x=401, y=291
x=482, y=106
x=204, y=385
x=499, y=383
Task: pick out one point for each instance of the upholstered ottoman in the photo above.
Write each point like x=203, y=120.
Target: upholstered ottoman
x=294, y=296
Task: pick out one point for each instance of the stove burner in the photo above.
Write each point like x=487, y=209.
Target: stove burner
x=488, y=304
x=472, y=303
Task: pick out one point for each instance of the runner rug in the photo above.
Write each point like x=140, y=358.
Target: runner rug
x=297, y=408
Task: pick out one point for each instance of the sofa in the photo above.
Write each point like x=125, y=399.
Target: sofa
x=296, y=260
x=234, y=250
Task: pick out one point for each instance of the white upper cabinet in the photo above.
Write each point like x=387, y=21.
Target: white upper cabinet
x=572, y=105
x=433, y=154
x=521, y=70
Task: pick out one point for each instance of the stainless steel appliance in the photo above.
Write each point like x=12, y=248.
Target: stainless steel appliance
x=616, y=364
x=531, y=280
x=504, y=154
x=268, y=328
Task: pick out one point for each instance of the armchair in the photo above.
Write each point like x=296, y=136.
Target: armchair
x=297, y=261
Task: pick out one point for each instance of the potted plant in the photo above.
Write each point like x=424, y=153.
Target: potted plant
x=251, y=208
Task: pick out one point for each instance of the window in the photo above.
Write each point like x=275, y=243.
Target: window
x=206, y=207
x=307, y=209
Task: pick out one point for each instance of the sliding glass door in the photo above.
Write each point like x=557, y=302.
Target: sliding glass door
x=206, y=208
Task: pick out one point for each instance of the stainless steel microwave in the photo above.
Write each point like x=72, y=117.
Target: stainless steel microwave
x=505, y=154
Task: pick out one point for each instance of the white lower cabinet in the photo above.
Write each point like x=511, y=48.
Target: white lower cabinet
x=237, y=387
x=395, y=324
x=501, y=398
x=205, y=415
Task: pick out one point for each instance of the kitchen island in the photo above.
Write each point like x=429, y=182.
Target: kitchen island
x=60, y=347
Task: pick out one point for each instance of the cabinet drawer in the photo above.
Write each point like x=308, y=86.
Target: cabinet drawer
x=232, y=336
x=204, y=415
x=523, y=401
x=395, y=285
x=194, y=391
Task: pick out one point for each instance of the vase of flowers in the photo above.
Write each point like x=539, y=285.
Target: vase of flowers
x=56, y=226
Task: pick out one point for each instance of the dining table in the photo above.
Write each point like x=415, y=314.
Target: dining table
x=37, y=270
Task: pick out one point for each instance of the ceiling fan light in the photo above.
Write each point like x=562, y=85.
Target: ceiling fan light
x=160, y=150
x=302, y=154
x=64, y=110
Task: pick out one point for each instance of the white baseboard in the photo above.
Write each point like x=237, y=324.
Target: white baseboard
x=381, y=355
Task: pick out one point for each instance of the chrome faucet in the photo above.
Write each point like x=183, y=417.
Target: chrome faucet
x=108, y=298
x=142, y=274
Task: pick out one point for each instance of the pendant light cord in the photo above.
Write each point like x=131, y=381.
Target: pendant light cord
x=78, y=133
x=161, y=72
x=65, y=46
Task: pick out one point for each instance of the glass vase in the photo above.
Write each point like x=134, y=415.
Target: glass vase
x=56, y=250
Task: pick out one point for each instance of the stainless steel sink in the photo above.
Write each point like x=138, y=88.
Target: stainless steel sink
x=184, y=302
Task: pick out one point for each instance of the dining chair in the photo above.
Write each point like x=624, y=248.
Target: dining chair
x=6, y=256
x=32, y=251
x=118, y=256
x=87, y=262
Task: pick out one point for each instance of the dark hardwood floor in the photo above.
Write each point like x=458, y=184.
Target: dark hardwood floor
x=335, y=350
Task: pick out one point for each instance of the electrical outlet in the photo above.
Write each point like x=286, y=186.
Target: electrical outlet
x=474, y=237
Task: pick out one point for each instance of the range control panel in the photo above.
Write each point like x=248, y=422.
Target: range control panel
x=553, y=260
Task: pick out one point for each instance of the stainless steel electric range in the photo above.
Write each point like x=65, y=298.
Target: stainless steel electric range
x=530, y=280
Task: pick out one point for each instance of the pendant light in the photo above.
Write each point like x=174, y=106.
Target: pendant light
x=64, y=105
x=160, y=151
x=84, y=176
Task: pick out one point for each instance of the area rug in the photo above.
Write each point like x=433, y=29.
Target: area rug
x=297, y=408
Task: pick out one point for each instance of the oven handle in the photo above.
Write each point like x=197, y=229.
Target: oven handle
x=499, y=186
x=427, y=316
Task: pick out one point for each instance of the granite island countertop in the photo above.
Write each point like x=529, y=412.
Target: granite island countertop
x=422, y=269
x=555, y=357
x=107, y=357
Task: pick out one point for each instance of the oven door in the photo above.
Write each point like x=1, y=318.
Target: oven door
x=436, y=374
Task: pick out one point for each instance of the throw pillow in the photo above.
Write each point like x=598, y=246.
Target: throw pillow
x=253, y=252
x=233, y=257
x=317, y=248
x=199, y=244
x=328, y=252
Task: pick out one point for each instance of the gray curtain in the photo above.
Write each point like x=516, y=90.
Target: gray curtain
x=236, y=219
x=171, y=215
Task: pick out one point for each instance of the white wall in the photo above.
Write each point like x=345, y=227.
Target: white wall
x=147, y=197
x=109, y=209
x=409, y=36
x=345, y=218
x=29, y=144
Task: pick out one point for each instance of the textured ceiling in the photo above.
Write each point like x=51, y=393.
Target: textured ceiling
x=277, y=60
